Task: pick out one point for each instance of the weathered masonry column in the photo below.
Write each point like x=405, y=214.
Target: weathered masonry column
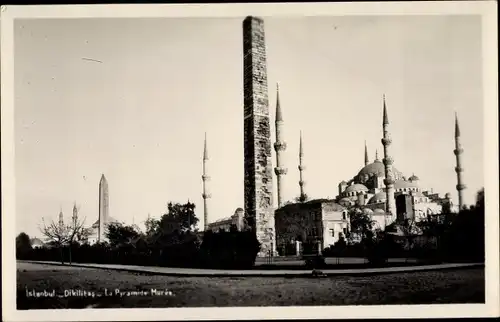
x=258, y=177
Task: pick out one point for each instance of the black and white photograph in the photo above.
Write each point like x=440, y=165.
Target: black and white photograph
x=306, y=157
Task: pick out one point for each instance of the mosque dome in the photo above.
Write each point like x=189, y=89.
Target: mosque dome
x=356, y=187
x=368, y=211
x=346, y=202
x=379, y=197
x=376, y=168
x=413, y=178
x=447, y=195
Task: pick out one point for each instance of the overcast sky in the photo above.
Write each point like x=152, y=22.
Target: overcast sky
x=139, y=115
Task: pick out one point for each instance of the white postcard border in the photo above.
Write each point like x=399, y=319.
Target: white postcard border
x=487, y=9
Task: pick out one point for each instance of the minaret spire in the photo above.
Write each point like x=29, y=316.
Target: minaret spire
x=205, y=177
x=301, y=169
x=458, y=169
x=279, y=147
x=388, y=161
x=376, y=155
x=366, y=154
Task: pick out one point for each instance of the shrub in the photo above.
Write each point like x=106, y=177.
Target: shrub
x=229, y=250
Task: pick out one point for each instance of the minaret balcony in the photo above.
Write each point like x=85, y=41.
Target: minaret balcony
x=206, y=195
x=388, y=160
x=280, y=171
x=205, y=177
x=280, y=146
x=461, y=187
x=302, y=183
x=301, y=167
x=459, y=169
x=388, y=181
x=458, y=151
x=386, y=141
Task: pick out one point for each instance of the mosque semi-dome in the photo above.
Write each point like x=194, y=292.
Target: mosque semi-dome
x=378, y=197
x=378, y=212
x=368, y=211
x=356, y=188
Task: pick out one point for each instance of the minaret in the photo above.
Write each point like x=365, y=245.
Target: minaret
x=279, y=147
x=388, y=161
x=61, y=219
x=75, y=214
x=366, y=155
x=458, y=169
x=206, y=195
x=103, y=208
x=301, y=169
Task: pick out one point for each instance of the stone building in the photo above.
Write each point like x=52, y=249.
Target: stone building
x=237, y=220
x=310, y=227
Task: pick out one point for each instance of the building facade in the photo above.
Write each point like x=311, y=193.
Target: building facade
x=309, y=227
x=237, y=220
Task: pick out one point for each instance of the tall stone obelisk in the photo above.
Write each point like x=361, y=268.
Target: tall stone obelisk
x=258, y=176
x=103, y=208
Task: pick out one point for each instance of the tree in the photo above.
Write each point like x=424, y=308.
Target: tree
x=302, y=198
x=76, y=231
x=361, y=225
x=60, y=234
x=179, y=218
x=119, y=234
x=409, y=229
x=173, y=237
x=23, y=245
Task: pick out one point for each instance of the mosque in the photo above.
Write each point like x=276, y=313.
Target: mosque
x=381, y=191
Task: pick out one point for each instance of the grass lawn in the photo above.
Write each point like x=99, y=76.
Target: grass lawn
x=449, y=286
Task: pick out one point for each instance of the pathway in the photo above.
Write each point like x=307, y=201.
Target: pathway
x=171, y=271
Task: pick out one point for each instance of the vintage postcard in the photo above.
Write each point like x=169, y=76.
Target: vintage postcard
x=249, y=161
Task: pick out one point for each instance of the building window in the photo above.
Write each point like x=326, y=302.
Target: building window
x=344, y=231
x=344, y=216
x=332, y=232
